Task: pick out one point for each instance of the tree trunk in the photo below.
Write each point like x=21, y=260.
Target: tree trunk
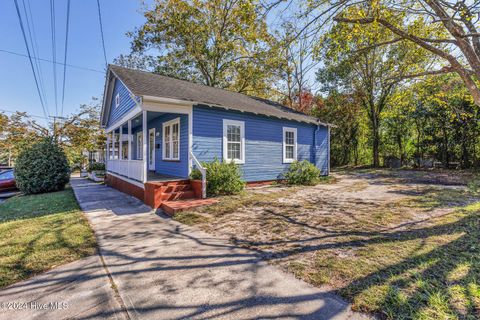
x=400, y=148
x=465, y=155
x=446, y=155
x=375, y=141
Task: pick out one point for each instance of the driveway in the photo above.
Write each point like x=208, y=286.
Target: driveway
x=161, y=269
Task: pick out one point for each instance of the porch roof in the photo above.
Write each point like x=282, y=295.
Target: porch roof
x=143, y=84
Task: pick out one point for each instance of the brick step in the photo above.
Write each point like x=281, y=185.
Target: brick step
x=170, y=183
x=180, y=195
x=176, y=188
x=172, y=207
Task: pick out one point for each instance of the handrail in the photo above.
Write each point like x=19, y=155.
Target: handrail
x=203, y=171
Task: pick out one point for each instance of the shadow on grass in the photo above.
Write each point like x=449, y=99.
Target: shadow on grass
x=437, y=278
x=37, y=205
x=41, y=231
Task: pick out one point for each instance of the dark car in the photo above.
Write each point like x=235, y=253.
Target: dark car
x=7, y=181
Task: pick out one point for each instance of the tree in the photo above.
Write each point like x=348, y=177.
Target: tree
x=296, y=66
x=219, y=43
x=16, y=133
x=450, y=121
x=345, y=111
x=81, y=131
x=354, y=64
x=42, y=167
x=455, y=40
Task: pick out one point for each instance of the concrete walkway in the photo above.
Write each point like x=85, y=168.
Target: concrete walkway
x=164, y=270
x=78, y=290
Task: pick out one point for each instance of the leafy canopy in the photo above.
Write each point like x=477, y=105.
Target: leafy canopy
x=219, y=43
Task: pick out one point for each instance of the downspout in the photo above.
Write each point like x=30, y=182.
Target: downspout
x=328, y=163
x=315, y=143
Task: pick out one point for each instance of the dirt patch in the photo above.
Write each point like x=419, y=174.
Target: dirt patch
x=340, y=233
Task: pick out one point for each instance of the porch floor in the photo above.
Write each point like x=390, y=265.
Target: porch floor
x=158, y=177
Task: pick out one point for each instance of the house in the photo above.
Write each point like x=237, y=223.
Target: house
x=159, y=128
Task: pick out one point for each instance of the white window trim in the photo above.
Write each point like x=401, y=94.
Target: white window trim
x=117, y=100
x=139, y=146
x=166, y=124
x=285, y=130
x=227, y=122
x=151, y=166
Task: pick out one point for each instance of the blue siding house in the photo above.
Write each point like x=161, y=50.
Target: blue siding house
x=159, y=128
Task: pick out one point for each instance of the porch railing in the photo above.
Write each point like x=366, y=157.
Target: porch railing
x=132, y=169
x=203, y=171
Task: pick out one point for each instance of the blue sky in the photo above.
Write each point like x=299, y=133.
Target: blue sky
x=17, y=86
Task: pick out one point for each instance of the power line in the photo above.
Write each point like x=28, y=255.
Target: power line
x=65, y=57
x=45, y=111
x=54, y=51
x=34, y=46
x=28, y=115
x=50, y=61
x=101, y=32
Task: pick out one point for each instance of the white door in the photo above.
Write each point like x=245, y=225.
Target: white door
x=151, y=149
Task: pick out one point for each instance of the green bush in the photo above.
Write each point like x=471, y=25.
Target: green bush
x=304, y=173
x=96, y=166
x=223, y=178
x=43, y=167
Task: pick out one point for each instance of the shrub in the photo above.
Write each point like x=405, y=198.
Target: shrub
x=96, y=166
x=223, y=178
x=304, y=173
x=42, y=167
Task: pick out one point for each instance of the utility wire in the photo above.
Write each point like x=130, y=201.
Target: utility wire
x=45, y=111
x=101, y=32
x=54, y=52
x=50, y=61
x=34, y=46
x=28, y=115
x=65, y=57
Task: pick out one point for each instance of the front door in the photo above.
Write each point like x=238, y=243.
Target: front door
x=151, y=149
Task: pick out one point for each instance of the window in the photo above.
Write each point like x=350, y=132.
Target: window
x=171, y=140
x=234, y=141
x=7, y=175
x=289, y=144
x=117, y=100
x=139, y=145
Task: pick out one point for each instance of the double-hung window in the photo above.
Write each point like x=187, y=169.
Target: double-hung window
x=171, y=140
x=289, y=144
x=139, y=145
x=234, y=141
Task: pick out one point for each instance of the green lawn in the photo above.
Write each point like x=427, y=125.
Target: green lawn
x=39, y=232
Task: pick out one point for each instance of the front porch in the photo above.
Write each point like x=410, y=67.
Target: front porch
x=150, y=146
x=149, y=156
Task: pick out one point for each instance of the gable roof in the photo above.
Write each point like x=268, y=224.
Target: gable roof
x=142, y=83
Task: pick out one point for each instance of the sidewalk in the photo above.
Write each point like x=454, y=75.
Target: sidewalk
x=165, y=270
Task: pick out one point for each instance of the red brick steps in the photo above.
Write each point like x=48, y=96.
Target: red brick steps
x=173, y=196
x=172, y=207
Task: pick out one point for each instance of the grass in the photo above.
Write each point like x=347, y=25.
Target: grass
x=230, y=204
x=425, y=273
x=39, y=232
x=415, y=255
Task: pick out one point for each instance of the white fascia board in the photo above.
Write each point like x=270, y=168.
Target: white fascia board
x=130, y=115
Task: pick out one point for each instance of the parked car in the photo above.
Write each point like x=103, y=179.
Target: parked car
x=7, y=181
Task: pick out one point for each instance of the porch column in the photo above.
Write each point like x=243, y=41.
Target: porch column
x=120, y=142
x=129, y=139
x=112, y=145
x=144, y=128
x=106, y=151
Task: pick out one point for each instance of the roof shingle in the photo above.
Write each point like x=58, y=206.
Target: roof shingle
x=143, y=83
